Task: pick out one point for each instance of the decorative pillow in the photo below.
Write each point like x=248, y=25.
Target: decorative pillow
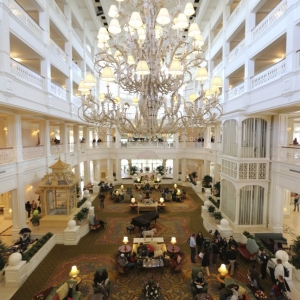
x=62, y=291
x=106, y=281
x=179, y=258
x=158, y=253
x=56, y=297
x=150, y=248
x=157, y=247
x=241, y=291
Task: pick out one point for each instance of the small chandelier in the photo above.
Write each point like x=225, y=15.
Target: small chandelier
x=152, y=55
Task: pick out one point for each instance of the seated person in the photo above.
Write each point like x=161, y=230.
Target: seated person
x=254, y=278
x=123, y=261
x=176, y=260
x=24, y=239
x=143, y=250
x=199, y=283
x=230, y=292
x=99, y=281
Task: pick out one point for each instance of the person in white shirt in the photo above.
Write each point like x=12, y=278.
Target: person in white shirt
x=193, y=247
x=279, y=270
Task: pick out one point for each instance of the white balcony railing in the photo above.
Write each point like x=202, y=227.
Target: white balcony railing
x=7, y=155
x=147, y=144
x=23, y=17
x=237, y=11
x=76, y=36
x=76, y=101
x=191, y=144
x=268, y=75
x=33, y=152
x=58, y=91
x=217, y=71
x=54, y=149
x=25, y=74
x=298, y=59
x=58, y=51
x=270, y=19
x=58, y=11
x=288, y=155
x=236, y=51
x=76, y=69
x=236, y=91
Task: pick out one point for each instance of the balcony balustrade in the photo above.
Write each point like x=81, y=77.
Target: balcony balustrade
x=287, y=154
x=58, y=11
x=54, y=149
x=20, y=14
x=236, y=91
x=236, y=51
x=76, y=36
x=58, y=91
x=58, y=51
x=33, y=152
x=76, y=101
x=269, y=75
x=276, y=14
x=298, y=59
x=7, y=155
x=240, y=7
x=147, y=144
x=76, y=69
x=217, y=71
x=26, y=75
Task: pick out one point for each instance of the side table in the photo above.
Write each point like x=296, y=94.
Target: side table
x=173, y=249
x=78, y=281
x=222, y=280
x=124, y=249
x=161, y=206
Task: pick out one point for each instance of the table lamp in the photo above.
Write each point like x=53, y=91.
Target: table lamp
x=122, y=187
x=175, y=186
x=138, y=179
x=178, y=192
x=161, y=200
x=158, y=179
x=223, y=271
x=74, y=272
x=173, y=242
x=132, y=200
x=125, y=241
x=117, y=193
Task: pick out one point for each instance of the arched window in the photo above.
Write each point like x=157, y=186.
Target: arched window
x=230, y=138
x=228, y=199
x=254, y=138
x=251, y=205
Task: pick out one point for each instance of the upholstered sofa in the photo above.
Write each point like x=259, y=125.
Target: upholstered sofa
x=61, y=291
x=155, y=249
x=243, y=289
x=270, y=239
x=248, y=250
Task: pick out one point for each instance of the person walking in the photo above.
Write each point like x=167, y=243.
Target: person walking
x=296, y=203
x=263, y=263
x=192, y=243
x=231, y=256
x=215, y=251
x=101, y=198
x=28, y=208
x=206, y=262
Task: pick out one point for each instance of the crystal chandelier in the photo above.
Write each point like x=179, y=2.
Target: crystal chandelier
x=152, y=55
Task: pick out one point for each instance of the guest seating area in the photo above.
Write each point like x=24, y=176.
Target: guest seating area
x=63, y=290
x=270, y=239
x=243, y=289
x=248, y=250
x=157, y=244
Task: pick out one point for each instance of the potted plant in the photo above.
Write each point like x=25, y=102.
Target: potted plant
x=133, y=170
x=160, y=170
x=3, y=258
x=85, y=212
x=79, y=217
x=295, y=260
x=114, y=174
x=206, y=183
x=35, y=220
x=179, y=176
x=211, y=209
x=218, y=217
x=217, y=189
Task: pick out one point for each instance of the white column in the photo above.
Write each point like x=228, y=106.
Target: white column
x=110, y=177
x=76, y=137
x=118, y=140
x=5, y=40
x=87, y=171
x=237, y=207
x=64, y=136
x=7, y=211
x=175, y=170
x=45, y=136
x=239, y=138
x=14, y=137
x=176, y=140
x=183, y=168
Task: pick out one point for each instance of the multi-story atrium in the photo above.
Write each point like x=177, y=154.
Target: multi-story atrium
x=47, y=48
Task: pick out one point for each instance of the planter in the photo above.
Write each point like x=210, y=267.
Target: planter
x=218, y=221
x=211, y=214
x=207, y=191
x=79, y=222
x=85, y=216
x=1, y=274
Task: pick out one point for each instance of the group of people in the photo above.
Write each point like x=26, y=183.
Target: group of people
x=31, y=207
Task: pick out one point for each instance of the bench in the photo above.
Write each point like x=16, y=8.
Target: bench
x=248, y=250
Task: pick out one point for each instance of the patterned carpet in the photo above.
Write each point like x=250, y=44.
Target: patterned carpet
x=99, y=249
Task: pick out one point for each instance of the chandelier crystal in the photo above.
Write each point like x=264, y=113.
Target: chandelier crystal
x=152, y=54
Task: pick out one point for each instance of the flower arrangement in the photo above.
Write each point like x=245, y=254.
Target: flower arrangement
x=207, y=298
x=40, y=296
x=151, y=290
x=260, y=295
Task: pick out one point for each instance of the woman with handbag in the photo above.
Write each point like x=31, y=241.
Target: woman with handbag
x=206, y=262
x=279, y=290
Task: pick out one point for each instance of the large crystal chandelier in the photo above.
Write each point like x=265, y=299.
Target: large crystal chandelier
x=152, y=55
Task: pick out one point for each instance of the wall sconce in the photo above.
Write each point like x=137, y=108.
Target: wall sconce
x=10, y=211
x=175, y=186
x=284, y=210
x=125, y=241
x=132, y=200
x=122, y=187
x=74, y=272
x=223, y=271
x=161, y=200
x=5, y=128
x=289, y=129
x=173, y=242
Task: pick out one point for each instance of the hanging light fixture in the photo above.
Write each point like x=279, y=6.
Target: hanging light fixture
x=157, y=53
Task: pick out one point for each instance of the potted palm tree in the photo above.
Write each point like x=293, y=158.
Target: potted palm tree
x=206, y=183
x=211, y=209
x=35, y=220
x=79, y=217
x=218, y=217
x=295, y=260
x=85, y=212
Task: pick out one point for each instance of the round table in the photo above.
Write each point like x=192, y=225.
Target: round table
x=161, y=206
x=124, y=250
x=133, y=206
x=222, y=280
x=173, y=249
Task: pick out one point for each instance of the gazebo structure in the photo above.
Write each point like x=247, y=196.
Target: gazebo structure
x=58, y=195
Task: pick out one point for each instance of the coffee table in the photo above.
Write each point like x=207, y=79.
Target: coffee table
x=222, y=280
x=151, y=263
x=124, y=250
x=173, y=249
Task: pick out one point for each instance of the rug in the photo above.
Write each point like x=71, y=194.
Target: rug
x=166, y=227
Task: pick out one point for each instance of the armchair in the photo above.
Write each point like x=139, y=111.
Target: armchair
x=195, y=271
x=104, y=288
x=94, y=223
x=168, y=197
x=176, y=262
